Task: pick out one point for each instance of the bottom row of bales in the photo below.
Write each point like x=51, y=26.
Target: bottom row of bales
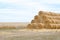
x=43, y=26
x=35, y=26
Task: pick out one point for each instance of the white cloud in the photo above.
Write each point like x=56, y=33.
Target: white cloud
x=8, y=1
x=7, y=10
x=50, y=1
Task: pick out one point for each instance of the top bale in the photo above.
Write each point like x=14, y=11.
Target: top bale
x=48, y=13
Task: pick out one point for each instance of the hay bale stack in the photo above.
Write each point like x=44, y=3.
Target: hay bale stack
x=46, y=20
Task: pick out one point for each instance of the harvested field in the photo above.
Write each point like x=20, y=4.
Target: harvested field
x=27, y=34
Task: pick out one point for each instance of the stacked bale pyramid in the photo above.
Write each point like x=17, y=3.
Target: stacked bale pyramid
x=45, y=20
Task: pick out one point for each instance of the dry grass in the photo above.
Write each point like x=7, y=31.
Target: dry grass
x=28, y=34
x=13, y=25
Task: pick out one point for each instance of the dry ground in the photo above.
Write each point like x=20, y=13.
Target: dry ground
x=27, y=34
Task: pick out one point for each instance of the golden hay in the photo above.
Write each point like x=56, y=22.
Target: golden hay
x=41, y=25
x=33, y=21
x=36, y=26
x=54, y=14
x=32, y=26
x=43, y=13
x=48, y=26
x=36, y=17
x=45, y=19
x=51, y=17
x=36, y=21
x=52, y=21
x=29, y=26
x=53, y=26
x=48, y=13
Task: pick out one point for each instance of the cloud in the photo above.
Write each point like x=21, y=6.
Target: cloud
x=48, y=1
x=8, y=1
x=7, y=10
x=52, y=1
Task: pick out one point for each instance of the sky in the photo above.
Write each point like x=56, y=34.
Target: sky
x=25, y=10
